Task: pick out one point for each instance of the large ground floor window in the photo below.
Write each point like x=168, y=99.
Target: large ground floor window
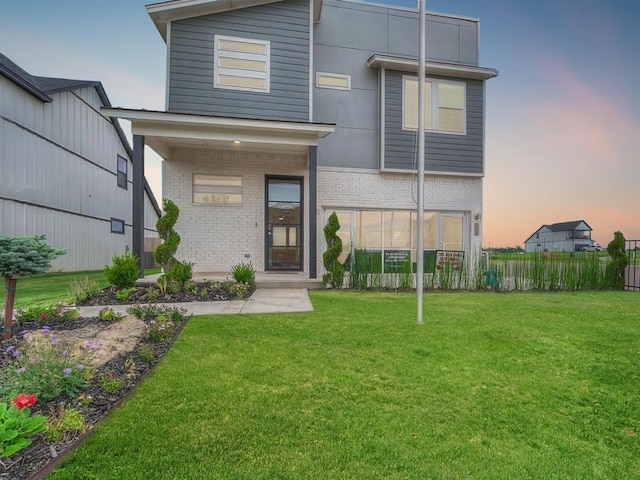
x=386, y=240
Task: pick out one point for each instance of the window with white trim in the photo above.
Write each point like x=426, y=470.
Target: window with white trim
x=333, y=80
x=241, y=64
x=444, y=105
x=217, y=189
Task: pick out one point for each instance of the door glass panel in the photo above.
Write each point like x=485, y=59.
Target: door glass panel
x=452, y=232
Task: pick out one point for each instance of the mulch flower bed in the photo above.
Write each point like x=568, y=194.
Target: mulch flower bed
x=193, y=292
x=93, y=402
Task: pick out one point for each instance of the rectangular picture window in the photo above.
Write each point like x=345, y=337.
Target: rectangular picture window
x=444, y=105
x=217, y=189
x=117, y=226
x=122, y=168
x=241, y=64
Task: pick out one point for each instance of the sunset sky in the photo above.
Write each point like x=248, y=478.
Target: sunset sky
x=562, y=118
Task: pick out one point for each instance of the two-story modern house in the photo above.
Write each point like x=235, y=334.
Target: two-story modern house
x=66, y=171
x=279, y=113
x=572, y=236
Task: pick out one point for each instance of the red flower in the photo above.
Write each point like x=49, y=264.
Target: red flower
x=24, y=400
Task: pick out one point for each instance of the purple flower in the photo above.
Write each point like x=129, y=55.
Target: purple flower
x=65, y=353
x=54, y=340
x=91, y=345
x=10, y=348
x=66, y=371
x=80, y=366
x=45, y=330
x=16, y=354
x=21, y=370
x=24, y=332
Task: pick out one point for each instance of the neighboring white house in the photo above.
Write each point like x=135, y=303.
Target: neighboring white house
x=560, y=237
x=281, y=112
x=65, y=169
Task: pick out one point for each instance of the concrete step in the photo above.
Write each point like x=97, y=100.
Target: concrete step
x=284, y=283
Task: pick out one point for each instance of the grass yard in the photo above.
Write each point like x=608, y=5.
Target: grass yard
x=45, y=290
x=492, y=386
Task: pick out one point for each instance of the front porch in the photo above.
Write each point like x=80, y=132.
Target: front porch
x=246, y=189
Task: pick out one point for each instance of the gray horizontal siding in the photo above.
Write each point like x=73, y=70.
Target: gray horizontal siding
x=285, y=24
x=444, y=152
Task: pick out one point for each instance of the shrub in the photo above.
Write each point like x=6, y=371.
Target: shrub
x=66, y=420
x=123, y=272
x=83, y=289
x=161, y=328
x=180, y=273
x=244, y=273
x=619, y=261
x=334, y=275
x=111, y=382
x=164, y=253
x=108, y=314
x=147, y=353
x=57, y=313
x=124, y=293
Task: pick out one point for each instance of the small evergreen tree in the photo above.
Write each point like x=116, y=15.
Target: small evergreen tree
x=619, y=261
x=22, y=257
x=334, y=275
x=164, y=253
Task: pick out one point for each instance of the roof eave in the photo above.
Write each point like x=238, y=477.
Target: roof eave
x=432, y=68
x=165, y=12
x=22, y=83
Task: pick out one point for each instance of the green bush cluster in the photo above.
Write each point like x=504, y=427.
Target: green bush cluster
x=123, y=271
x=57, y=313
x=244, y=273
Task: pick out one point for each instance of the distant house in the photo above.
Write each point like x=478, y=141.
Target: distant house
x=66, y=169
x=560, y=237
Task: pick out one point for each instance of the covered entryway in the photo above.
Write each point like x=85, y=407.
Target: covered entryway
x=233, y=179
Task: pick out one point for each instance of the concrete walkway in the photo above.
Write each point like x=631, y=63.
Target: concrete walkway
x=271, y=300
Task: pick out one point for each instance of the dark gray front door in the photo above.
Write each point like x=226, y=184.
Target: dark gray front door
x=284, y=223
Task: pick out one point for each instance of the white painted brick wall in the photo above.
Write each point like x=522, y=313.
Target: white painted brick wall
x=216, y=237
x=362, y=189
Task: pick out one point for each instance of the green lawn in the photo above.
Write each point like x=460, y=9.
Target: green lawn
x=492, y=386
x=44, y=290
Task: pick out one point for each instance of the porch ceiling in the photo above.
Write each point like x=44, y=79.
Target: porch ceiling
x=164, y=131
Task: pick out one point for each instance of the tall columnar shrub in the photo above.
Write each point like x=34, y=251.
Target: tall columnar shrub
x=619, y=261
x=22, y=257
x=334, y=275
x=164, y=253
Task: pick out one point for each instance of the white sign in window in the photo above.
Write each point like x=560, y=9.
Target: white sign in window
x=217, y=189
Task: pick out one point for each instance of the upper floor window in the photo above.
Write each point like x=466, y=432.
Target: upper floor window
x=333, y=80
x=444, y=105
x=122, y=172
x=241, y=64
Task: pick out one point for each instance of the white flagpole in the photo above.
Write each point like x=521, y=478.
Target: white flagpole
x=421, y=74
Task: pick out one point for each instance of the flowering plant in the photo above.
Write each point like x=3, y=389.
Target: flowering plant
x=17, y=423
x=45, y=365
